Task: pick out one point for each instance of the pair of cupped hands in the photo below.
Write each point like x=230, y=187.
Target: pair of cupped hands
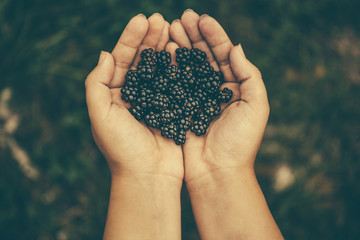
x=133, y=149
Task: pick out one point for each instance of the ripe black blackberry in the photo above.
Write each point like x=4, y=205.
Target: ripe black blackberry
x=172, y=72
x=183, y=57
x=153, y=119
x=168, y=130
x=160, y=84
x=187, y=80
x=166, y=116
x=176, y=93
x=200, y=93
x=225, y=95
x=204, y=70
x=184, y=123
x=132, y=79
x=177, y=109
x=129, y=94
x=145, y=98
x=163, y=59
x=191, y=106
x=145, y=71
x=211, y=108
x=160, y=101
x=148, y=57
x=200, y=125
x=175, y=99
x=180, y=136
x=197, y=56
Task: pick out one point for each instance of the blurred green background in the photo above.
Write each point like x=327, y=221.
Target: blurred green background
x=54, y=183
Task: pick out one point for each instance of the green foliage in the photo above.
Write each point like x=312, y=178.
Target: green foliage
x=308, y=52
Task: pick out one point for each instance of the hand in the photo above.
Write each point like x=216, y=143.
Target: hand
x=231, y=141
x=146, y=168
x=130, y=147
x=226, y=198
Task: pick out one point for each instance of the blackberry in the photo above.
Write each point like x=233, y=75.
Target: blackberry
x=198, y=56
x=145, y=98
x=225, y=95
x=180, y=137
x=172, y=73
x=148, y=57
x=191, y=106
x=132, y=78
x=200, y=125
x=168, y=130
x=153, y=119
x=137, y=112
x=204, y=70
x=200, y=94
x=129, y=94
x=176, y=93
x=187, y=79
x=145, y=71
x=183, y=56
x=177, y=109
x=211, y=107
x=211, y=83
x=184, y=123
x=172, y=98
x=160, y=84
x=160, y=101
x=163, y=59
x=166, y=116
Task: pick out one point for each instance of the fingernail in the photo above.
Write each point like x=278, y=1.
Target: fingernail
x=188, y=10
x=102, y=57
x=140, y=14
x=176, y=20
x=204, y=15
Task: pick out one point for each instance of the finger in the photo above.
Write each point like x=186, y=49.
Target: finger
x=190, y=21
x=164, y=38
x=171, y=48
x=178, y=34
x=219, y=43
x=156, y=25
x=125, y=49
x=98, y=97
x=252, y=87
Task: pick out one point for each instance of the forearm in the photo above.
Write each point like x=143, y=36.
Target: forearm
x=144, y=207
x=229, y=204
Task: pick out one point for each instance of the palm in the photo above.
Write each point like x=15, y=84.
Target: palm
x=233, y=139
x=128, y=145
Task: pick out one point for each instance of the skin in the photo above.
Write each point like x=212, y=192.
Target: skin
x=146, y=168
x=219, y=166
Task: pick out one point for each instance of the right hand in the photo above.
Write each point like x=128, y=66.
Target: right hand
x=130, y=147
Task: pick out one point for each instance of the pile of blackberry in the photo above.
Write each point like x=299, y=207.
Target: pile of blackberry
x=174, y=98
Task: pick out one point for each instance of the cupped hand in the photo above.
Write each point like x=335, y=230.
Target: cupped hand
x=232, y=140
x=129, y=146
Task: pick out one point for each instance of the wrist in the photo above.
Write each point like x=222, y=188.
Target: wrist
x=144, y=206
x=146, y=181
x=223, y=178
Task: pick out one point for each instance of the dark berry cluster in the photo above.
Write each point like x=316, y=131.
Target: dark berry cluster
x=174, y=98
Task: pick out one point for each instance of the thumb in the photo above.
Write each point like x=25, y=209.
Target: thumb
x=98, y=97
x=252, y=88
